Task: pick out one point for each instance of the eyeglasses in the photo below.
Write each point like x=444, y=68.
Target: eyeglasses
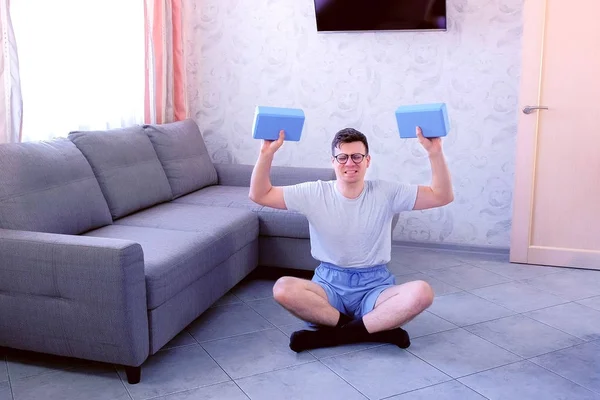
x=357, y=158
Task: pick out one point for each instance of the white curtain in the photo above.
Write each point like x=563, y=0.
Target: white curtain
x=81, y=64
x=10, y=90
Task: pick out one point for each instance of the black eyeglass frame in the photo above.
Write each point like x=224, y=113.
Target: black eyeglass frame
x=350, y=156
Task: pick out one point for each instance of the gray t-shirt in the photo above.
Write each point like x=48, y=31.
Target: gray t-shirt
x=350, y=232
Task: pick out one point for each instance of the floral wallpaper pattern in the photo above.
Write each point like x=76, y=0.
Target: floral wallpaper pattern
x=243, y=53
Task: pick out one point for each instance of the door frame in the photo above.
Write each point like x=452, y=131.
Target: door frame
x=534, y=21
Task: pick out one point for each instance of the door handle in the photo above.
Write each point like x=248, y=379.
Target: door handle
x=530, y=109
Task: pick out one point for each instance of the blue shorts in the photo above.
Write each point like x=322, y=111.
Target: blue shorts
x=353, y=291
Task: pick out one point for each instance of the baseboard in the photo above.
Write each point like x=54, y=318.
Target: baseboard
x=453, y=247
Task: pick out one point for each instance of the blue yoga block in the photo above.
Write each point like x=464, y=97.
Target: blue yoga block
x=432, y=118
x=268, y=121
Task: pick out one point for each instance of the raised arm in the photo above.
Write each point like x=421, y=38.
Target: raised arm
x=440, y=192
x=261, y=190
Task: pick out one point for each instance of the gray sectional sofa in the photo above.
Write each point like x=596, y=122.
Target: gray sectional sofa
x=112, y=242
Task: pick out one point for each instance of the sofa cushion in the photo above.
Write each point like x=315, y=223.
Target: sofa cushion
x=272, y=222
x=221, y=196
x=239, y=227
x=190, y=242
x=127, y=168
x=183, y=155
x=49, y=187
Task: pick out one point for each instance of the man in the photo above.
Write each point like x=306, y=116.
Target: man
x=352, y=296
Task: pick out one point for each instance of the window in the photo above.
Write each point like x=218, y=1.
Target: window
x=81, y=64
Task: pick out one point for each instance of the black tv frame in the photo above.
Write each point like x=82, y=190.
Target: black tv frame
x=377, y=15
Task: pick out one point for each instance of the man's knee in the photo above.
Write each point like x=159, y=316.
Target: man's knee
x=423, y=294
x=285, y=289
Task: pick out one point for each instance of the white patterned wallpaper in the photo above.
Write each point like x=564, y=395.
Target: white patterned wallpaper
x=244, y=53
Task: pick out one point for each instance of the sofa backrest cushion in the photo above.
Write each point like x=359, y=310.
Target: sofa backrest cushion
x=127, y=168
x=49, y=187
x=183, y=154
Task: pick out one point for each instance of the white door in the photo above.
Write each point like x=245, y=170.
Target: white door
x=556, y=208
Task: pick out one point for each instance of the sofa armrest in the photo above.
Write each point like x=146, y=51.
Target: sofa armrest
x=75, y=296
x=239, y=174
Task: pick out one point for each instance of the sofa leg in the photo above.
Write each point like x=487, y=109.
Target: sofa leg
x=133, y=374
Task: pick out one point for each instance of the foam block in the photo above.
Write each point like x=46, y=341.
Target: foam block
x=432, y=118
x=268, y=121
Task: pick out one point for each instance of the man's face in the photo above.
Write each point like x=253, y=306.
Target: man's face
x=350, y=171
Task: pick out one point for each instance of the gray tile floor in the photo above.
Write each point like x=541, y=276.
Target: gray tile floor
x=495, y=330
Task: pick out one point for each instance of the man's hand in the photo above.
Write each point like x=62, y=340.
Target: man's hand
x=433, y=146
x=269, y=147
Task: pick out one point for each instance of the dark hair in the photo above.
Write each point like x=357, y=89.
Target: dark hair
x=348, y=135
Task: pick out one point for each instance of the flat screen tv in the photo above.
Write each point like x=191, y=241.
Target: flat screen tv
x=380, y=15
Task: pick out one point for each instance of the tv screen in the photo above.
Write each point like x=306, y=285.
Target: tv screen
x=380, y=15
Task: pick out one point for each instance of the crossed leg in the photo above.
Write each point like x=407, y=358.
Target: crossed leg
x=306, y=300
x=394, y=307
x=398, y=305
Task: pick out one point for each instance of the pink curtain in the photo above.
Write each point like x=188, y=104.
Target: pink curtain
x=11, y=103
x=165, y=96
